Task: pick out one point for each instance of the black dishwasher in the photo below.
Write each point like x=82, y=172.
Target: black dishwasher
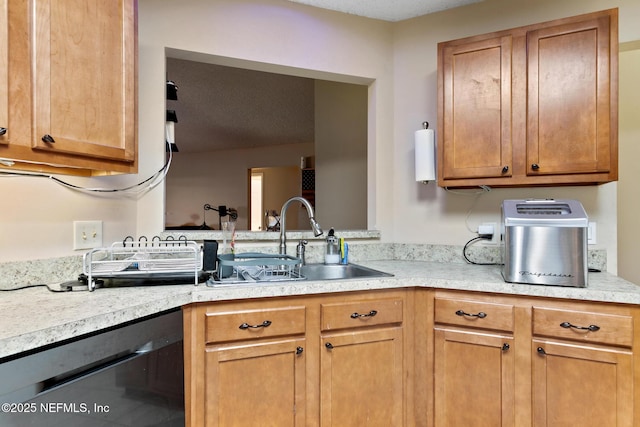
x=130, y=375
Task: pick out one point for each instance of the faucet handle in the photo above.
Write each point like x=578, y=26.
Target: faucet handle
x=300, y=251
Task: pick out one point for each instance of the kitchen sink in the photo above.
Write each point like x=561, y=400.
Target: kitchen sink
x=339, y=271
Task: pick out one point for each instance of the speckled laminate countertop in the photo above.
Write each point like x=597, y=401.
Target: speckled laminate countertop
x=32, y=318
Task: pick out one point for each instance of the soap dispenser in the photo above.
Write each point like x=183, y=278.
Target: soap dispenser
x=332, y=255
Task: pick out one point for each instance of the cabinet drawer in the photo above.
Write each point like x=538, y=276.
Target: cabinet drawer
x=361, y=313
x=475, y=314
x=583, y=326
x=252, y=324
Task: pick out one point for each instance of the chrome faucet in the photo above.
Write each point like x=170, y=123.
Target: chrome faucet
x=317, y=231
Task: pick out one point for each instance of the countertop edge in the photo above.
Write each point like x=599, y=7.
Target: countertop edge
x=70, y=315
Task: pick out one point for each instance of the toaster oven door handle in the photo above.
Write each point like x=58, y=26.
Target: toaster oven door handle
x=592, y=328
x=480, y=315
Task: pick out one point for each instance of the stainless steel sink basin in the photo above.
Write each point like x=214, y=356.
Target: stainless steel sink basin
x=339, y=271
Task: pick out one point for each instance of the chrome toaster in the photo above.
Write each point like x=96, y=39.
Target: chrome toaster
x=544, y=242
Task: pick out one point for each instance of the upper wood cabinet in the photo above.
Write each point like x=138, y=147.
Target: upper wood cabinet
x=4, y=72
x=535, y=105
x=476, y=136
x=70, y=85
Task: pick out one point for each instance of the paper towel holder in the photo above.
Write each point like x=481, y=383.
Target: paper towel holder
x=424, y=144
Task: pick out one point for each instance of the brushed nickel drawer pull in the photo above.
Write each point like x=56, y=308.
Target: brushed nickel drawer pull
x=264, y=324
x=357, y=315
x=592, y=328
x=480, y=315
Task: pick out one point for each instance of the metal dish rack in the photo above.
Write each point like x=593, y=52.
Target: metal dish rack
x=179, y=259
x=255, y=267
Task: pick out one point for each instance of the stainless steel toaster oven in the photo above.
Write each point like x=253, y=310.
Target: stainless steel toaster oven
x=544, y=242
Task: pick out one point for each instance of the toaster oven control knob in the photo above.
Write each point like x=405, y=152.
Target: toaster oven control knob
x=535, y=166
x=505, y=169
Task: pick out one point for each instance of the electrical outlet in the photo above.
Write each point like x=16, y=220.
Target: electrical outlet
x=489, y=228
x=87, y=234
x=591, y=234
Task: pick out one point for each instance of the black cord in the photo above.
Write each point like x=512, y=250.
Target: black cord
x=36, y=286
x=469, y=243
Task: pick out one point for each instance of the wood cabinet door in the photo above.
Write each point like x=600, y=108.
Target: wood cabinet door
x=361, y=378
x=576, y=385
x=4, y=72
x=474, y=379
x=475, y=109
x=569, y=74
x=84, y=75
x=256, y=384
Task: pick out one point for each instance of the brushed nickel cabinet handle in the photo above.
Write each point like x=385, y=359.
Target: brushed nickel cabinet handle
x=264, y=324
x=480, y=315
x=568, y=325
x=357, y=315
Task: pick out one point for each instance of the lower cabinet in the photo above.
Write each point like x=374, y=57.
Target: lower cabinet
x=330, y=360
x=474, y=363
x=256, y=381
x=412, y=357
x=473, y=378
x=582, y=368
x=520, y=361
x=361, y=364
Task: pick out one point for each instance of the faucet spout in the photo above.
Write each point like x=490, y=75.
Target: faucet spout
x=317, y=231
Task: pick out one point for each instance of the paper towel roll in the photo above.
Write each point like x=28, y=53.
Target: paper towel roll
x=425, y=155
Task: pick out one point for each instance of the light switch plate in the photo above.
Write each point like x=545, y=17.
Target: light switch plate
x=87, y=234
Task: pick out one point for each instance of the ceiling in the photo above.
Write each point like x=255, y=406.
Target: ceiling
x=387, y=10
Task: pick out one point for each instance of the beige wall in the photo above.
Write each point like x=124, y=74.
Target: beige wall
x=268, y=36
x=341, y=155
x=221, y=178
x=429, y=214
x=629, y=185
x=399, y=58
